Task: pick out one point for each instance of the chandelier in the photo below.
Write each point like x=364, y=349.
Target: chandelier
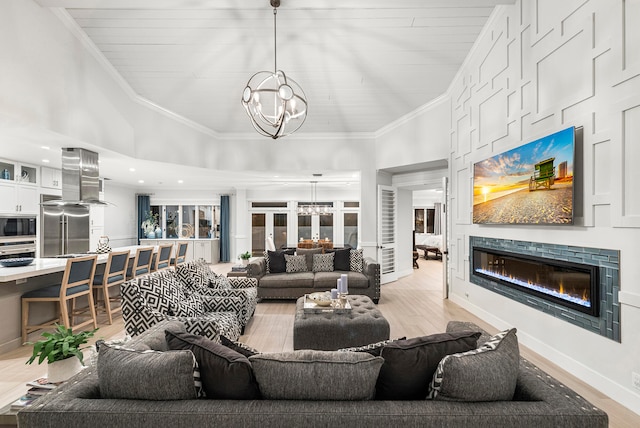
x=275, y=103
x=314, y=208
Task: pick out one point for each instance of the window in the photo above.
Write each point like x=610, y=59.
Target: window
x=351, y=230
x=280, y=230
x=258, y=233
x=304, y=227
x=326, y=227
x=418, y=221
x=431, y=215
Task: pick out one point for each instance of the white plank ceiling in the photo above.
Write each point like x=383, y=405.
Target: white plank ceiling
x=362, y=63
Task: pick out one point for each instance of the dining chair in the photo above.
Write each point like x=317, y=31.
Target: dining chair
x=181, y=254
x=163, y=259
x=115, y=273
x=77, y=281
x=141, y=263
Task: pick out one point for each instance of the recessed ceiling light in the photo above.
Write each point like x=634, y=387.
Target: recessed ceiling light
x=45, y=160
x=180, y=181
x=141, y=181
x=45, y=147
x=132, y=169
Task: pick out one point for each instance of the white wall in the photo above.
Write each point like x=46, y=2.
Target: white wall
x=537, y=68
x=121, y=218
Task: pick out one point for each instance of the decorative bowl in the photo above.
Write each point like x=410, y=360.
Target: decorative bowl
x=320, y=298
x=19, y=261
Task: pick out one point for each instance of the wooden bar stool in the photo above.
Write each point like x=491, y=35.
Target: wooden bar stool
x=164, y=257
x=141, y=263
x=77, y=281
x=181, y=254
x=115, y=273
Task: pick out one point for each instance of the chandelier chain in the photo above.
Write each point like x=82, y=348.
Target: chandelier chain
x=275, y=42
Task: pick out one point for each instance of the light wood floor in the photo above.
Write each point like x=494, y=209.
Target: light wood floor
x=413, y=306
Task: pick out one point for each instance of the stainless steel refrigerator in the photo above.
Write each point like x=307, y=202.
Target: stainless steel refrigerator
x=64, y=229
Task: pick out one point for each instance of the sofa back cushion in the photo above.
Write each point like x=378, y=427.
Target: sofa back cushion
x=308, y=254
x=225, y=373
x=316, y=375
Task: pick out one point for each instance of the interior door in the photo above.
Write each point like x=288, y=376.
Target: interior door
x=387, y=208
x=445, y=234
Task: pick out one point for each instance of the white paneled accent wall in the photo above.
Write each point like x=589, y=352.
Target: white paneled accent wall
x=539, y=67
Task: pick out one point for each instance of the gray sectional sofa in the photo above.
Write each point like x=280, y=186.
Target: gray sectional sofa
x=539, y=401
x=285, y=285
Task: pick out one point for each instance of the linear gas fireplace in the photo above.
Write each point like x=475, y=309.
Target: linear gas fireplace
x=569, y=284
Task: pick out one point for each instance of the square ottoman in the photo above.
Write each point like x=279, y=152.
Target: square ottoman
x=328, y=331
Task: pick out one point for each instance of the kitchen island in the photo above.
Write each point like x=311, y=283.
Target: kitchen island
x=15, y=281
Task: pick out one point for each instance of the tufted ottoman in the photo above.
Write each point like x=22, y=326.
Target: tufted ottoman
x=328, y=331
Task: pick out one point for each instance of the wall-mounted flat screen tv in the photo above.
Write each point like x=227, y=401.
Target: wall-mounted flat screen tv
x=531, y=184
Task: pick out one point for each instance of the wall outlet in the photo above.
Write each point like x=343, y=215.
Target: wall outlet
x=635, y=380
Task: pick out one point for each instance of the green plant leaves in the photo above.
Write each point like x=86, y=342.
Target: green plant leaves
x=60, y=345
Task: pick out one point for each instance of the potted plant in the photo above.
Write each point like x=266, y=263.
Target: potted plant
x=63, y=352
x=245, y=257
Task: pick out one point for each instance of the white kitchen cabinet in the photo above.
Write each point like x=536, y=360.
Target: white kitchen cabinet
x=18, y=199
x=94, y=237
x=96, y=216
x=50, y=178
x=202, y=250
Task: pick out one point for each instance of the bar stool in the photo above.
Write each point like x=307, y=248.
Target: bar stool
x=77, y=281
x=181, y=254
x=115, y=273
x=141, y=263
x=164, y=257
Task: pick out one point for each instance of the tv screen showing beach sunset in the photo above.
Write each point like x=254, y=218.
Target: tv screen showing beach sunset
x=531, y=184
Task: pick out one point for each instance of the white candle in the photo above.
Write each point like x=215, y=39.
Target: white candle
x=334, y=293
x=344, y=280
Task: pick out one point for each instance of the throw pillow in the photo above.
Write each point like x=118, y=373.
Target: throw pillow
x=341, y=259
x=356, y=261
x=277, y=263
x=147, y=375
x=374, y=348
x=225, y=373
x=409, y=364
x=323, y=262
x=316, y=375
x=220, y=282
x=295, y=263
x=308, y=253
x=488, y=373
x=239, y=347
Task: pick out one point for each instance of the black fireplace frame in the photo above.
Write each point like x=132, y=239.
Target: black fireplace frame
x=593, y=271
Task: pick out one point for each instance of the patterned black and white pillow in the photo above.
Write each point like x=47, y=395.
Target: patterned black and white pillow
x=373, y=348
x=266, y=260
x=221, y=283
x=323, y=262
x=296, y=263
x=356, y=261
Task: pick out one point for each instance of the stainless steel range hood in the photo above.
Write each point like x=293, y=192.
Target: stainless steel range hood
x=80, y=181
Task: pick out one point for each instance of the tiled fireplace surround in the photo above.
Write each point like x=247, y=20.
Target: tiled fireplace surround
x=608, y=262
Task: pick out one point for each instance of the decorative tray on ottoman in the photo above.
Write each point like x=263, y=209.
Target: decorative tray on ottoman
x=316, y=303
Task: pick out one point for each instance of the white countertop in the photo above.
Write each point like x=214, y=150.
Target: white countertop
x=43, y=266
